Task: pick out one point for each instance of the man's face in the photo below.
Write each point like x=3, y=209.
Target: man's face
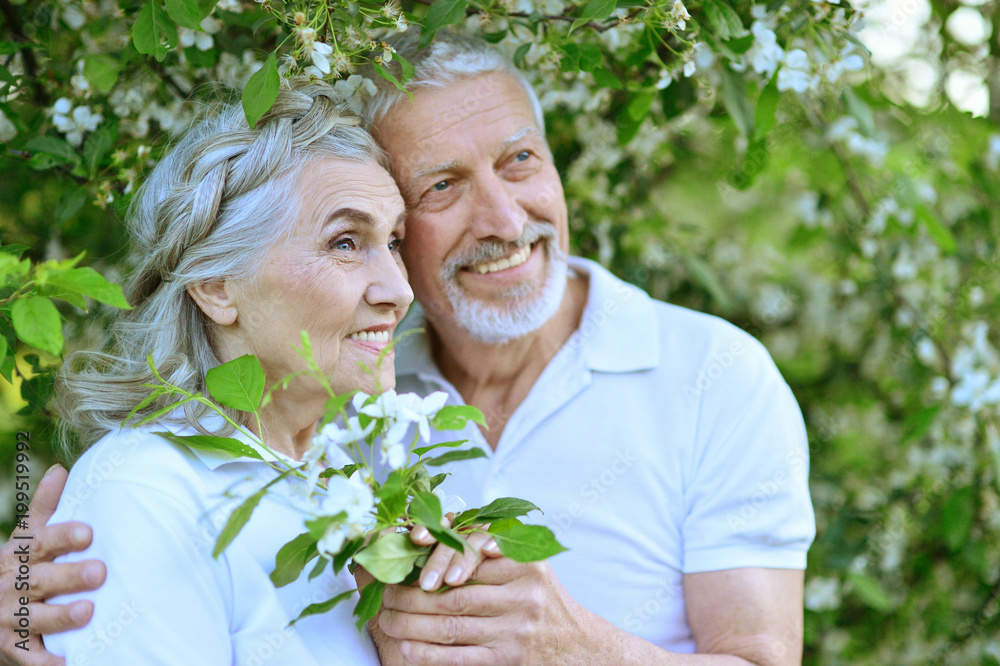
x=486, y=229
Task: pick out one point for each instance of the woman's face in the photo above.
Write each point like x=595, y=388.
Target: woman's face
x=339, y=277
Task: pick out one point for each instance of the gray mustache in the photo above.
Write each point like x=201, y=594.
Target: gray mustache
x=494, y=250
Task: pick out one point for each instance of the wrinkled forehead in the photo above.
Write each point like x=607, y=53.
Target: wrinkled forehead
x=441, y=122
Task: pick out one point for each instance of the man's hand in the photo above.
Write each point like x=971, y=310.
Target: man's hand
x=517, y=614
x=47, y=579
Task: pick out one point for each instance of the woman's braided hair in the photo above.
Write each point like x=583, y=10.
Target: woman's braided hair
x=212, y=209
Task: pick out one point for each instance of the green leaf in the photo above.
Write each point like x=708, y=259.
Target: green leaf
x=53, y=146
x=941, y=234
x=956, y=518
x=764, y=116
x=704, y=276
x=505, y=508
x=3, y=350
x=88, y=282
x=37, y=323
x=503, y=525
x=918, y=424
x=70, y=203
x=326, y=606
x=740, y=45
x=407, y=70
x=388, y=76
x=238, y=384
x=369, y=603
x=317, y=526
x=292, y=558
x=598, y=10
x=143, y=404
x=520, y=53
x=97, y=146
x=579, y=57
x=153, y=33
x=606, y=79
x=205, y=7
x=631, y=117
x=185, y=13
x=440, y=14
x=233, y=447
x=421, y=450
x=6, y=76
x=239, y=517
x=437, y=480
x=102, y=72
x=347, y=552
x=344, y=471
x=734, y=98
x=454, y=417
x=261, y=90
x=426, y=509
x=724, y=20
x=390, y=557
x=870, y=591
x=452, y=456
x=14, y=249
x=528, y=543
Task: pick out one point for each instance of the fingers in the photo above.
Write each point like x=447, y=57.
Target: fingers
x=503, y=570
x=52, y=541
x=449, y=566
x=52, y=580
x=425, y=654
x=441, y=629
x=46, y=498
x=479, y=600
x=57, y=618
x=35, y=655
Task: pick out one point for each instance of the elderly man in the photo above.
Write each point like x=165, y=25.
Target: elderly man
x=665, y=448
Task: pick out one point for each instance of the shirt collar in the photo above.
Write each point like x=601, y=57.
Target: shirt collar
x=618, y=332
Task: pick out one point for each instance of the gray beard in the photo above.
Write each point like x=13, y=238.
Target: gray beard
x=528, y=305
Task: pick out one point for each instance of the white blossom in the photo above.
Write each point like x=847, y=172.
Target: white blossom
x=765, y=55
x=797, y=73
x=354, y=89
x=73, y=122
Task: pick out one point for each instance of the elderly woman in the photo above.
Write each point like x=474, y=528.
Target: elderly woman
x=244, y=237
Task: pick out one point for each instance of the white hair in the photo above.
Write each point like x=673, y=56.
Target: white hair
x=212, y=209
x=449, y=58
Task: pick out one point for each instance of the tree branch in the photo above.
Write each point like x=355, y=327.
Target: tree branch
x=16, y=30
x=556, y=17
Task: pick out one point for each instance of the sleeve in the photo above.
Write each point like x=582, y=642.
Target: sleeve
x=748, y=504
x=165, y=600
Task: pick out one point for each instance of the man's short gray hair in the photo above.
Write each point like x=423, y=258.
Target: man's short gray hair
x=449, y=58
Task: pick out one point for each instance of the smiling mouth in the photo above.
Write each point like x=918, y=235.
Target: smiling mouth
x=370, y=336
x=513, y=260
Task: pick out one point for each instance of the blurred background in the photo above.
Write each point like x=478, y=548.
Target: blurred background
x=844, y=209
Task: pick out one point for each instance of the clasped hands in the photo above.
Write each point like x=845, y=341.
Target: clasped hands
x=496, y=611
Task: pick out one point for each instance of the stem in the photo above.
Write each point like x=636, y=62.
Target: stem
x=556, y=17
x=16, y=30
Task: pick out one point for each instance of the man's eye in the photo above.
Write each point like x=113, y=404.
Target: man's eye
x=523, y=155
x=395, y=244
x=439, y=187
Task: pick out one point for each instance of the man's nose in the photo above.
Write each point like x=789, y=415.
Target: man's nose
x=498, y=213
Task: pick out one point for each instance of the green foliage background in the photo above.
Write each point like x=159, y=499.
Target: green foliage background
x=855, y=234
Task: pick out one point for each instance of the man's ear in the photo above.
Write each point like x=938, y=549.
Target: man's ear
x=216, y=300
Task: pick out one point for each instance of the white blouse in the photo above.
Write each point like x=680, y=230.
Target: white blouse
x=155, y=509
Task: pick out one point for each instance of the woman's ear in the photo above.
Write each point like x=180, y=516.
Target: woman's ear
x=216, y=300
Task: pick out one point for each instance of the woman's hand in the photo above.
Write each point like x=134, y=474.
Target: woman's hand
x=448, y=566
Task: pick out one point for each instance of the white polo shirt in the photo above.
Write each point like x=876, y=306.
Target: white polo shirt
x=155, y=509
x=659, y=441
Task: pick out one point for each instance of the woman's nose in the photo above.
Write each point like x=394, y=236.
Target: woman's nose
x=389, y=287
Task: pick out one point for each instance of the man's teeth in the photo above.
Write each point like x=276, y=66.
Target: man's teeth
x=515, y=259
x=370, y=336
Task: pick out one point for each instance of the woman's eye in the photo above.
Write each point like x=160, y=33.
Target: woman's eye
x=395, y=244
x=346, y=244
